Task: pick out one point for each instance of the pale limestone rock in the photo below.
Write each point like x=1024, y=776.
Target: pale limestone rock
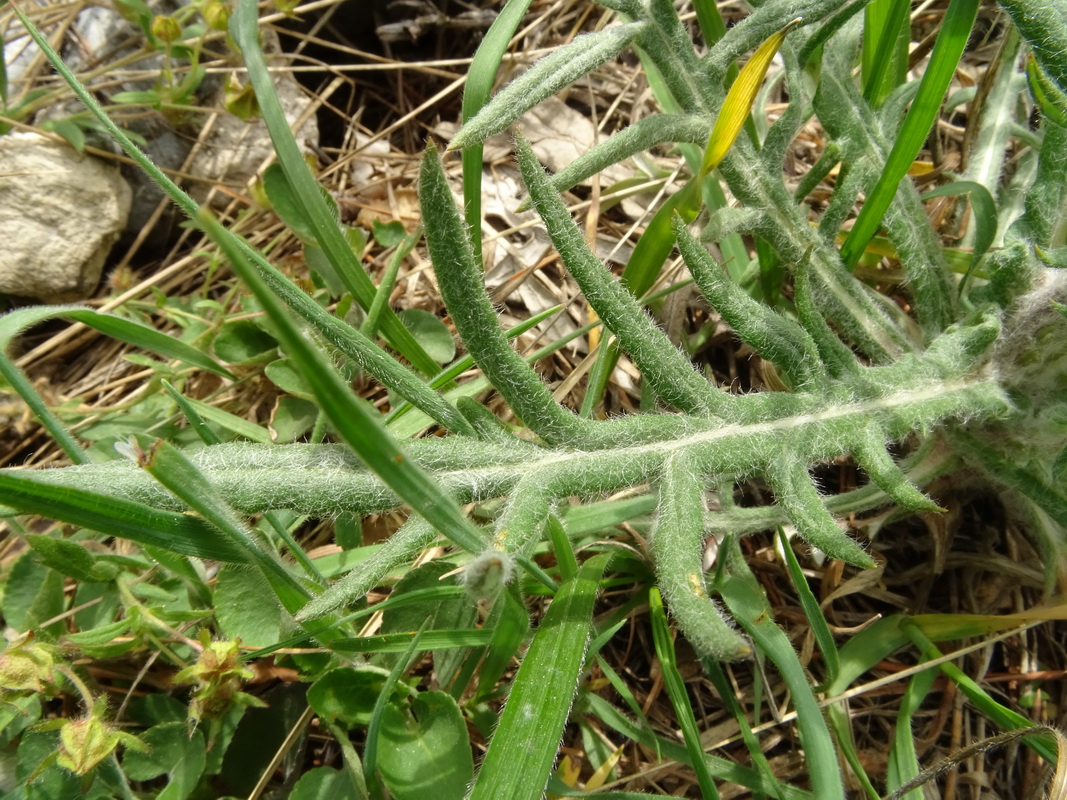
x=234, y=151
x=60, y=215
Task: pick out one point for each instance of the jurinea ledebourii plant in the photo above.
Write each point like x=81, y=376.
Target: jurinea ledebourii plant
x=979, y=355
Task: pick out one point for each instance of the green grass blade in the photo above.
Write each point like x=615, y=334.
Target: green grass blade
x=114, y=516
x=279, y=521
x=18, y=381
x=562, y=790
x=721, y=768
x=385, y=288
x=480, y=79
x=196, y=422
x=672, y=679
x=885, y=48
x=231, y=422
x=14, y=322
x=1044, y=745
x=399, y=642
x=244, y=27
x=523, y=749
x=718, y=678
x=985, y=218
x=710, y=20
x=510, y=623
x=561, y=547
x=903, y=761
x=357, y=424
x=274, y=518
x=171, y=468
x=744, y=598
x=619, y=685
x=819, y=627
x=955, y=30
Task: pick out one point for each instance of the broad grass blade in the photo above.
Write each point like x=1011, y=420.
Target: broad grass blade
x=115, y=516
x=744, y=598
x=522, y=750
x=672, y=678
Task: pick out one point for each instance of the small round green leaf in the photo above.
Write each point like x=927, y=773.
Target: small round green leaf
x=324, y=783
x=243, y=341
x=241, y=609
x=346, y=695
x=431, y=333
x=424, y=751
x=284, y=374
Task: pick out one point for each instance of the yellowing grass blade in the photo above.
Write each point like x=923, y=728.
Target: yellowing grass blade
x=958, y=626
x=739, y=100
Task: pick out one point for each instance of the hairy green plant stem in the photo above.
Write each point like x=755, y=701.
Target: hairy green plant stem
x=324, y=480
x=677, y=546
x=666, y=368
x=462, y=284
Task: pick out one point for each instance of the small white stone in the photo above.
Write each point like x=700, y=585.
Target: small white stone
x=60, y=215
